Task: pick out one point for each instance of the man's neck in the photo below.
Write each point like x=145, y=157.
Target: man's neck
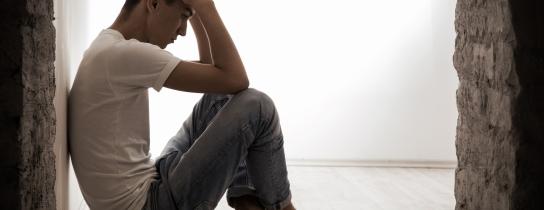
x=131, y=26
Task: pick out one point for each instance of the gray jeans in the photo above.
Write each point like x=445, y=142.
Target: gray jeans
x=229, y=142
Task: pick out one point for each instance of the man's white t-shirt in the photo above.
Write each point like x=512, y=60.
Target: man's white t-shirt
x=109, y=119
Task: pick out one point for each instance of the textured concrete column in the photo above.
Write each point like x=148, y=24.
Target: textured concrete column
x=27, y=118
x=499, y=58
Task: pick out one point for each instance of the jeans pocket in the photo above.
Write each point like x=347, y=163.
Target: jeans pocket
x=162, y=170
x=163, y=156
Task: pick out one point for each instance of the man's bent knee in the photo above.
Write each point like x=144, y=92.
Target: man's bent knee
x=255, y=99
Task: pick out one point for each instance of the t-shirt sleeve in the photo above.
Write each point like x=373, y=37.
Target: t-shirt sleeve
x=137, y=64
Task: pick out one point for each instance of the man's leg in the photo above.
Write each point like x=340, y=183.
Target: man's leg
x=241, y=192
x=203, y=112
x=247, y=126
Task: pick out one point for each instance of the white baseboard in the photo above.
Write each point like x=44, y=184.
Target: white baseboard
x=373, y=163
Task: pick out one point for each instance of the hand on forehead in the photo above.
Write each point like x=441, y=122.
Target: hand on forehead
x=186, y=9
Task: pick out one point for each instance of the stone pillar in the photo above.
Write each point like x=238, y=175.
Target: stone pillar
x=499, y=58
x=27, y=117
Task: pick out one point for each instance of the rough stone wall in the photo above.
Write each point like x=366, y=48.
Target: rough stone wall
x=27, y=117
x=500, y=129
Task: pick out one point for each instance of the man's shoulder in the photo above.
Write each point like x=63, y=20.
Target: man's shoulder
x=112, y=43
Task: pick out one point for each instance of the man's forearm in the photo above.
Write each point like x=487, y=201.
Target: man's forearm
x=202, y=40
x=224, y=52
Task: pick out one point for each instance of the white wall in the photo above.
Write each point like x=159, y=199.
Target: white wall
x=71, y=41
x=353, y=80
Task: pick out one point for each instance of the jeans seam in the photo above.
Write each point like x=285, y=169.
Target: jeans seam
x=247, y=172
x=204, y=203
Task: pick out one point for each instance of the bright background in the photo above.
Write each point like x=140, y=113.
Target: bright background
x=353, y=80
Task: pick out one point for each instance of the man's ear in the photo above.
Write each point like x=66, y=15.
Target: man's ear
x=152, y=5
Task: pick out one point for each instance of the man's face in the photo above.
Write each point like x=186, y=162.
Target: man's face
x=167, y=22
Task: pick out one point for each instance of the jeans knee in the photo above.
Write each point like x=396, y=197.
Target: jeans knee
x=211, y=98
x=255, y=99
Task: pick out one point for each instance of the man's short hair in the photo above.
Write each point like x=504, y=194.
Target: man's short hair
x=130, y=4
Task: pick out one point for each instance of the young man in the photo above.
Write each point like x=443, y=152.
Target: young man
x=232, y=140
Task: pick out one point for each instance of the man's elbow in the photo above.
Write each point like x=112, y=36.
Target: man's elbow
x=239, y=86
x=244, y=85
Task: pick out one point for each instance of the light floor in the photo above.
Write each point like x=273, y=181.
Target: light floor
x=372, y=188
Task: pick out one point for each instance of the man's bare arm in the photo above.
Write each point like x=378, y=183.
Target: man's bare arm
x=202, y=40
x=227, y=73
x=223, y=49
